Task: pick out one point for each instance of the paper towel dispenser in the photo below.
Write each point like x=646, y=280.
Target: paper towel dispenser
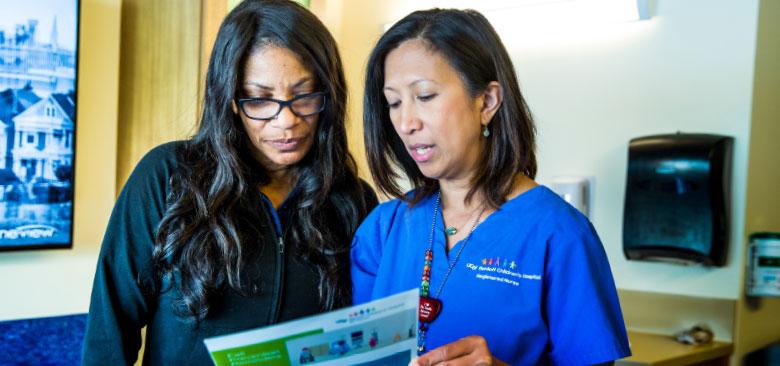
x=677, y=202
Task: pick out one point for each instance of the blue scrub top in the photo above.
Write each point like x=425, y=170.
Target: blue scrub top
x=533, y=280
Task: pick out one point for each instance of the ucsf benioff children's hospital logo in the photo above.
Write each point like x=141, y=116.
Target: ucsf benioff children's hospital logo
x=502, y=270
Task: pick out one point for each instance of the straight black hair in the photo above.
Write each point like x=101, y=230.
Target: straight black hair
x=472, y=47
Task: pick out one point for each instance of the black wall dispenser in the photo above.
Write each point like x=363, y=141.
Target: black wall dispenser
x=678, y=193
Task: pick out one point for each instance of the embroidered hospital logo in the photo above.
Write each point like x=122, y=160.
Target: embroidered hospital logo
x=495, y=269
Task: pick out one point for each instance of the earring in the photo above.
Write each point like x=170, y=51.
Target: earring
x=486, y=132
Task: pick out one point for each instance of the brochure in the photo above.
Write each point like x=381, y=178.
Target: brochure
x=379, y=333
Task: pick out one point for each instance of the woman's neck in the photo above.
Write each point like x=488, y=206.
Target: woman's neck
x=453, y=195
x=458, y=214
x=463, y=216
x=279, y=187
x=454, y=192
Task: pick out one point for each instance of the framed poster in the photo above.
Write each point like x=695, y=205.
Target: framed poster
x=38, y=64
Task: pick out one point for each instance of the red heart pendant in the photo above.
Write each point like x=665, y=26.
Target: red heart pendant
x=429, y=309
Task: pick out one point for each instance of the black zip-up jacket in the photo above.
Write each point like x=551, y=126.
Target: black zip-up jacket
x=122, y=304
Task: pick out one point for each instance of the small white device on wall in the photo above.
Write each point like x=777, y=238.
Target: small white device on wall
x=573, y=189
x=763, y=265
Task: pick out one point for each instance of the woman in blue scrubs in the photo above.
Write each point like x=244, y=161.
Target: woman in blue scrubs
x=508, y=272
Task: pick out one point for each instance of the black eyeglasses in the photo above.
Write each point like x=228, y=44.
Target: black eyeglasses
x=265, y=109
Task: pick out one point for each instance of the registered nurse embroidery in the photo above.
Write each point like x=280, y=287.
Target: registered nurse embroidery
x=502, y=270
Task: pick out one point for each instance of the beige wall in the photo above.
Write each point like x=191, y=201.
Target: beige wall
x=57, y=282
x=165, y=48
x=357, y=25
x=760, y=326
x=160, y=77
x=353, y=42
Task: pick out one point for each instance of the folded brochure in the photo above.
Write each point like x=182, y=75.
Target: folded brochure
x=379, y=333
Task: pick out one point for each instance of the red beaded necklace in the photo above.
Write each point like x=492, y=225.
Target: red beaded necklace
x=430, y=307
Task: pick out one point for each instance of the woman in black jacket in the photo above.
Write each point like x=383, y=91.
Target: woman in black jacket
x=249, y=222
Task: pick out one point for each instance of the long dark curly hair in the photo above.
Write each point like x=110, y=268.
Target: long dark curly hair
x=209, y=230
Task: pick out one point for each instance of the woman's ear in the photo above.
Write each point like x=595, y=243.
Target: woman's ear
x=491, y=100
x=234, y=106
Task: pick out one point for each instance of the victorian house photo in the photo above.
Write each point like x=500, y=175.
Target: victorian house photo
x=37, y=124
